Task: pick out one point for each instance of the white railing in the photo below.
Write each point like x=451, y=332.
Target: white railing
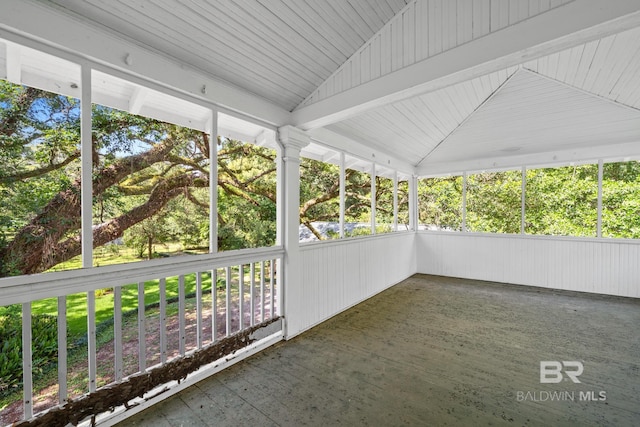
x=176, y=306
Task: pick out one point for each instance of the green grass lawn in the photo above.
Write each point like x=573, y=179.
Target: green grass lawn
x=77, y=303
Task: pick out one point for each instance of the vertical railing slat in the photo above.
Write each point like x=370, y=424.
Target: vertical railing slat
x=117, y=331
x=272, y=286
x=91, y=342
x=163, y=320
x=228, y=300
x=27, y=361
x=214, y=305
x=62, y=350
x=241, y=296
x=199, y=309
x=262, y=298
x=252, y=305
x=181, y=315
x=142, y=330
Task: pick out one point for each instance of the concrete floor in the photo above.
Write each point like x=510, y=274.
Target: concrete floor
x=434, y=351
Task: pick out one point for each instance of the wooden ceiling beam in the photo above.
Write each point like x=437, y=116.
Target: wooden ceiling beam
x=557, y=29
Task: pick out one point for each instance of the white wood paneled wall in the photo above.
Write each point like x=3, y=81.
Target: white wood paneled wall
x=587, y=265
x=425, y=28
x=339, y=274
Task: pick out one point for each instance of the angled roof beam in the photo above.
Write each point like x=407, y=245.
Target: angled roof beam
x=557, y=29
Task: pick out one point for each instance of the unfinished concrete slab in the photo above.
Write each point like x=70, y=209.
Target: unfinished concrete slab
x=436, y=351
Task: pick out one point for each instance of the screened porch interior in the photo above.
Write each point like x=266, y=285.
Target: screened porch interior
x=186, y=184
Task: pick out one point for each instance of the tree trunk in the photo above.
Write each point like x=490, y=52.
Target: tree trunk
x=150, y=247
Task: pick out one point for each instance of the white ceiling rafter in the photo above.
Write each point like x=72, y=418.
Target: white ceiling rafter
x=565, y=26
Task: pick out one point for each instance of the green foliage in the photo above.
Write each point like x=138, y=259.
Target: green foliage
x=44, y=347
x=440, y=203
x=562, y=201
x=494, y=202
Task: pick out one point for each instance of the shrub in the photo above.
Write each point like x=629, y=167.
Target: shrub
x=44, y=347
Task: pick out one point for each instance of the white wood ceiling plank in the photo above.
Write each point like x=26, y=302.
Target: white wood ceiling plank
x=499, y=14
x=586, y=59
x=534, y=7
x=317, y=24
x=279, y=37
x=370, y=20
x=408, y=35
x=385, y=46
x=481, y=18
x=365, y=64
x=422, y=32
x=449, y=22
x=435, y=27
x=269, y=55
x=564, y=62
x=367, y=21
x=618, y=61
x=341, y=15
x=464, y=26
x=231, y=60
x=598, y=62
x=397, y=60
x=628, y=80
x=376, y=67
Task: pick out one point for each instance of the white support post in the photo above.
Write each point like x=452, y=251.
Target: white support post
x=600, y=178
x=213, y=183
x=86, y=202
x=228, y=301
x=214, y=305
x=241, y=296
x=342, y=193
x=464, y=202
x=373, y=198
x=163, y=320
x=87, y=168
x=413, y=203
x=292, y=141
x=395, y=201
x=523, y=199
x=252, y=303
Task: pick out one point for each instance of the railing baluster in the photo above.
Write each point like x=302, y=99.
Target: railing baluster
x=241, y=296
x=228, y=301
x=181, y=315
x=62, y=350
x=142, y=330
x=117, y=331
x=272, y=281
x=163, y=320
x=262, y=299
x=252, y=304
x=27, y=362
x=214, y=305
x=199, y=309
x=91, y=342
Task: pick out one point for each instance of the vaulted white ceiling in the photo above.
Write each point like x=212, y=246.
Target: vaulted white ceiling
x=424, y=86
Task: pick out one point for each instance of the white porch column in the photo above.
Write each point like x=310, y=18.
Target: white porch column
x=291, y=303
x=413, y=203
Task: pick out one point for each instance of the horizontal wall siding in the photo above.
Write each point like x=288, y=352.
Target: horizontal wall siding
x=425, y=28
x=586, y=265
x=337, y=275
